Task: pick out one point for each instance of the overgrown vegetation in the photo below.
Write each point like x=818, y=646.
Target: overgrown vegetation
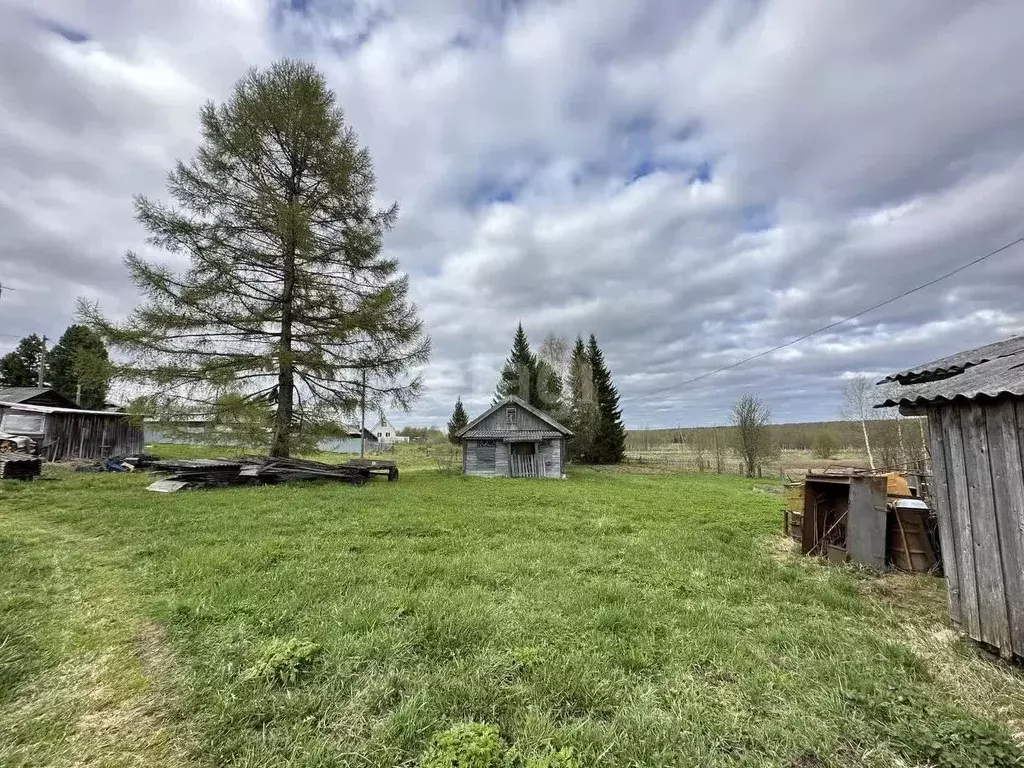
x=610, y=620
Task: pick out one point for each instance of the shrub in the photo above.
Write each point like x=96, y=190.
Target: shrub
x=281, y=662
x=467, y=745
x=824, y=445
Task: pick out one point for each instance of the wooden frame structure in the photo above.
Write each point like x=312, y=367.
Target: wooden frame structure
x=974, y=402
x=513, y=439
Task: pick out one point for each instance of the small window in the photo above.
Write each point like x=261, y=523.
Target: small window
x=23, y=422
x=510, y=416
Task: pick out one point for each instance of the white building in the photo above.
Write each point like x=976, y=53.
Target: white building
x=385, y=432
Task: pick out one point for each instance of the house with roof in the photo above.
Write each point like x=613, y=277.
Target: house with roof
x=385, y=433
x=514, y=439
x=974, y=402
x=61, y=430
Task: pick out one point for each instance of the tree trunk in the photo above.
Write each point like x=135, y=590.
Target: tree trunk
x=281, y=445
x=867, y=442
x=899, y=434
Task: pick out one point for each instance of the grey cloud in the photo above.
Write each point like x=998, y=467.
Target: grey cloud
x=881, y=144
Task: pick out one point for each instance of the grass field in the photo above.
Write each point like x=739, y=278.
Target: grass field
x=607, y=620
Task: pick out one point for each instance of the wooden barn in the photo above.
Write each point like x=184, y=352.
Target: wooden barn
x=64, y=431
x=974, y=402
x=513, y=439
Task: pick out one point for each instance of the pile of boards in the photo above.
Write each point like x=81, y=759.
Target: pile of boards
x=259, y=470
x=19, y=466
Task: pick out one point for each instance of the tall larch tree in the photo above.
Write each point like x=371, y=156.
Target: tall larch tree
x=288, y=301
x=458, y=420
x=610, y=438
x=79, y=367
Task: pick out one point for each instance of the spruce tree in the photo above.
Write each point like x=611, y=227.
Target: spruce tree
x=20, y=368
x=457, y=421
x=520, y=370
x=583, y=414
x=78, y=367
x=610, y=437
x=288, y=301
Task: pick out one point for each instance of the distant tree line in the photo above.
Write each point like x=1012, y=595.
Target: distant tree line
x=571, y=384
x=78, y=366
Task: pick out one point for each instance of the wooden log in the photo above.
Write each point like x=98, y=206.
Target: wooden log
x=988, y=559
x=960, y=519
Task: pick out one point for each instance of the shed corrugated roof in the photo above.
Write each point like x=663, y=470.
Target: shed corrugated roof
x=995, y=375
x=508, y=435
x=958, y=363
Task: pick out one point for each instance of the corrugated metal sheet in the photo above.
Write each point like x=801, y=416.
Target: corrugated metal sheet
x=956, y=364
x=521, y=435
x=1000, y=376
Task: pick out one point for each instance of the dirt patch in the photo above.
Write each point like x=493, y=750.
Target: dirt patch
x=131, y=715
x=782, y=549
x=153, y=651
x=806, y=760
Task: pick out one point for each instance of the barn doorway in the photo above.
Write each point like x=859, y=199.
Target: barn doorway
x=523, y=459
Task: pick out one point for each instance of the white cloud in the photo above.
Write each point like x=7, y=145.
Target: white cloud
x=693, y=182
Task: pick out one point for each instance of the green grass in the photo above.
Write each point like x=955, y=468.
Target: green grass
x=625, y=620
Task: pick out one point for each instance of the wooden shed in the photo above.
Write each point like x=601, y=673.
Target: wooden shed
x=64, y=431
x=514, y=439
x=974, y=402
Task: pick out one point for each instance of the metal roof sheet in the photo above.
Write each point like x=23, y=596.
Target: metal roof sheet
x=51, y=409
x=512, y=436
x=1000, y=376
x=958, y=363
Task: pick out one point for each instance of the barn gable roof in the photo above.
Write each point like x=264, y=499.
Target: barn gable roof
x=36, y=396
x=512, y=399
x=989, y=371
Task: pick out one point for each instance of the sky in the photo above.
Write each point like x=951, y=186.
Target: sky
x=693, y=182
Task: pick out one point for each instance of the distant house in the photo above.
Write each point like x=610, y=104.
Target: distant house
x=386, y=433
x=64, y=431
x=974, y=402
x=513, y=439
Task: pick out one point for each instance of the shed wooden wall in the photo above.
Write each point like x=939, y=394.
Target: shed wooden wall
x=476, y=458
x=976, y=450
x=89, y=436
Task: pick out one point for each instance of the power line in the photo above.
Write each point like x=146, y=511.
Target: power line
x=830, y=326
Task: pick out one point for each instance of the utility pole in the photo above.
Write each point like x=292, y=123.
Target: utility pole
x=42, y=365
x=362, y=418
x=78, y=393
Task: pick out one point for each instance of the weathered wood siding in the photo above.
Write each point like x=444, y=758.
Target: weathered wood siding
x=479, y=458
x=89, y=436
x=977, y=450
x=524, y=420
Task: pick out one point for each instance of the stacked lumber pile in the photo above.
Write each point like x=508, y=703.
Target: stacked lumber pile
x=258, y=470
x=19, y=466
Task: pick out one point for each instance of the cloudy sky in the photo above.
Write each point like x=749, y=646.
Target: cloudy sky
x=694, y=182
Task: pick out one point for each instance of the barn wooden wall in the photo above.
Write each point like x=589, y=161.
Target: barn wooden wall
x=89, y=436
x=977, y=449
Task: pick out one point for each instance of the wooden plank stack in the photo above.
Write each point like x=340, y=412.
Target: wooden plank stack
x=258, y=470
x=19, y=466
